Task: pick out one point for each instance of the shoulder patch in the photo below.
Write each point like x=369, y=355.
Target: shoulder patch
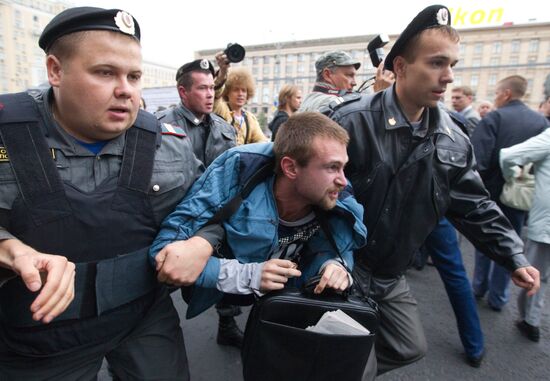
x=170, y=129
x=4, y=155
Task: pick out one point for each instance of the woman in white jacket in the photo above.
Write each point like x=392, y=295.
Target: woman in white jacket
x=537, y=151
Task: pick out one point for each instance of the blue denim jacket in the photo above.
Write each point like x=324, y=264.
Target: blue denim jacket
x=251, y=232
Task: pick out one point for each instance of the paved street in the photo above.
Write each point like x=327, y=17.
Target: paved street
x=509, y=355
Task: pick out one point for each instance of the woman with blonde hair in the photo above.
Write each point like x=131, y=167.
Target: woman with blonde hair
x=239, y=89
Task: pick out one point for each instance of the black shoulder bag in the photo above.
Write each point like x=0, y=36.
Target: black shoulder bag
x=278, y=347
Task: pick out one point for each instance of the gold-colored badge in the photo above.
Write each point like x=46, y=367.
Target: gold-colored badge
x=392, y=121
x=125, y=22
x=4, y=155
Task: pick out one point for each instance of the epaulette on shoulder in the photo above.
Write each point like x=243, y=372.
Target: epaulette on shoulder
x=344, y=100
x=338, y=102
x=170, y=129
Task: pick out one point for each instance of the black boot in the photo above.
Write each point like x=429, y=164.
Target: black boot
x=229, y=332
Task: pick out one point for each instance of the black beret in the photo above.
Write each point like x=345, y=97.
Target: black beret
x=202, y=64
x=430, y=17
x=88, y=18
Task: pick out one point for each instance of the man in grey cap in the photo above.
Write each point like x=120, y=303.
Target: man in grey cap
x=87, y=179
x=335, y=77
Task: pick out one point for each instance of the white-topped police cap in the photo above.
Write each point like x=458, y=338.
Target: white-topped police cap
x=197, y=65
x=88, y=18
x=336, y=58
x=430, y=17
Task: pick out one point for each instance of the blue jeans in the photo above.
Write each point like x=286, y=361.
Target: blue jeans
x=442, y=245
x=488, y=276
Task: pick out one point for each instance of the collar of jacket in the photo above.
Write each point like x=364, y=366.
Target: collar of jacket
x=394, y=118
x=184, y=112
x=327, y=88
x=513, y=102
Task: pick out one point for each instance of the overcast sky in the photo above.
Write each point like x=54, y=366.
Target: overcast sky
x=173, y=30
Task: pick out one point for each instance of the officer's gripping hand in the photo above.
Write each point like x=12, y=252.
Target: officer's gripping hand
x=527, y=278
x=53, y=275
x=180, y=263
x=334, y=276
x=275, y=274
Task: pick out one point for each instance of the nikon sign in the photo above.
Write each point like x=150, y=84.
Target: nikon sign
x=464, y=17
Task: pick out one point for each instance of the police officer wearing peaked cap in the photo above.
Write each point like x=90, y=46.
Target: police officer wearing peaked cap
x=336, y=58
x=335, y=77
x=95, y=176
x=414, y=156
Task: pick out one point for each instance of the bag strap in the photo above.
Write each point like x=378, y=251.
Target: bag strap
x=247, y=126
x=232, y=205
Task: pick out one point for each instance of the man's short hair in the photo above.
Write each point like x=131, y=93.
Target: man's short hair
x=295, y=136
x=186, y=79
x=286, y=92
x=409, y=51
x=466, y=90
x=516, y=84
x=66, y=46
x=241, y=77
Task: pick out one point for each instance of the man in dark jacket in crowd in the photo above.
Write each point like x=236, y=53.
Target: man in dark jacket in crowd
x=410, y=165
x=510, y=124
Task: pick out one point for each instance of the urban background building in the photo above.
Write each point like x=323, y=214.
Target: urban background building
x=487, y=54
x=22, y=61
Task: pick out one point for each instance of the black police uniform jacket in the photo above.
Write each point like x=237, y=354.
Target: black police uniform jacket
x=407, y=184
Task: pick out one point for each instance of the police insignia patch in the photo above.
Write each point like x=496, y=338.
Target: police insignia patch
x=125, y=23
x=442, y=16
x=169, y=129
x=4, y=155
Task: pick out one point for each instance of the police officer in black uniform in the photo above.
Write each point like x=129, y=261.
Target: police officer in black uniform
x=411, y=165
x=87, y=178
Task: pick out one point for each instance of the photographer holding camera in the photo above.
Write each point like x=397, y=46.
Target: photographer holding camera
x=239, y=89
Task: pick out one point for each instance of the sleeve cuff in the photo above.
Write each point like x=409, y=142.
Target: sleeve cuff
x=212, y=233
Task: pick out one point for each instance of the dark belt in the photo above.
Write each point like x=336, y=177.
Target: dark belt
x=99, y=287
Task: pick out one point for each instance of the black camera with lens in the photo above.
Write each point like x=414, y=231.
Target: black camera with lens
x=375, y=49
x=234, y=52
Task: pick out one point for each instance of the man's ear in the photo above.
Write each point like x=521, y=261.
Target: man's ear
x=54, y=69
x=327, y=73
x=289, y=167
x=508, y=94
x=182, y=92
x=399, y=66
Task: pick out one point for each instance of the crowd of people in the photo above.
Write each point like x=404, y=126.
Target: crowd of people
x=106, y=209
